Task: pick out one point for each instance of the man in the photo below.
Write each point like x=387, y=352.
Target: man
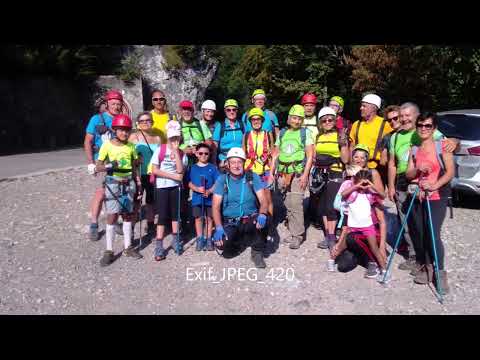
x=400, y=144
x=271, y=121
x=392, y=115
x=99, y=130
x=337, y=103
x=294, y=149
x=370, y=129
x=309, y=103
x=208, y=112
x=239, y=199
x=160, y=114
x=228, y=133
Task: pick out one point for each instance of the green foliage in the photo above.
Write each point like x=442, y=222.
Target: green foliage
x=130, y=68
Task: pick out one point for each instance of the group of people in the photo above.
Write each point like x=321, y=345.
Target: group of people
x=226, y=175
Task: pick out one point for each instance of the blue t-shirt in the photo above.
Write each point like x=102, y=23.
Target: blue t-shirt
x=210, y=173
x=99, y=139
x=267, y=122
x=231, y=138
x=232, y=205
x=142, y=148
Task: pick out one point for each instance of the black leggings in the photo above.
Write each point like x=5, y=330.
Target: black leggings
x=239, y=236
x=421, y=233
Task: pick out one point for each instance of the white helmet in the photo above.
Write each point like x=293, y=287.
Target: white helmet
x=326, y=111
x=236, y=152
x=372, y=99
x=209, y=105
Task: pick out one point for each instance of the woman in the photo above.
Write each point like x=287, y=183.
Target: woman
x=146, y=142
x=432, y=168
x=160, y=115
x=331, y=153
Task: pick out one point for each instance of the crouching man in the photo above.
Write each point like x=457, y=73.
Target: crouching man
x=239, y=209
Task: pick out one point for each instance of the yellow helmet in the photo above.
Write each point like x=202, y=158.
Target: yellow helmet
x=338, y=100
x=362, y=147
x=258, y=92
x=297, y=110
x=231, y=102
x=256, y=112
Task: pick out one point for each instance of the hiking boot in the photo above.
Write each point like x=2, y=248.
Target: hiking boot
x=257, y=258
x=209, y=246
x=160, y=253
x=119, y=229
x=415, y=269
x=295, y=243
x=199, y=243
x=424, y=275
x=445, y=289
x=93, y=233
x=323, y=244
x=408, y=264
x=107, y=258
x=132, y=252
x=372, y=270
x=177, y=246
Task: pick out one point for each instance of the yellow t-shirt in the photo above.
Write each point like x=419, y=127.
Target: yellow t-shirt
x=160, y=125
x=123, y=155
x=368, y=134
x=327, y=144
x=257, y=141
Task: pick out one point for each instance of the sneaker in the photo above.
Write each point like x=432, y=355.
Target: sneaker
x=119, y=229
x=209, y=246
x=323, y=244
x=381, y=275
x=177, y=246
x=107, y=258
x=372, y=270
x=93, y=233
x=257, y=258
x=408, y=264
x=199, y=243
x=160, y=253
x=132, y=252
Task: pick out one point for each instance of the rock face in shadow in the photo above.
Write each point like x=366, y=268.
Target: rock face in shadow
x=185, y=84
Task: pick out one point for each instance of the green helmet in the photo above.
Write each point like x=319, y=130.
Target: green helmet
x=362, y=147
x=256, y=112
x=338, y=100
x=231, y=102
x=297, y=110
x=258, y=92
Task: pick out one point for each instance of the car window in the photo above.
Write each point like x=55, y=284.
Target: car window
x=463, y=127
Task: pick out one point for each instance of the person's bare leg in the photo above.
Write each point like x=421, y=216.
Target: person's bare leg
x=372, y=243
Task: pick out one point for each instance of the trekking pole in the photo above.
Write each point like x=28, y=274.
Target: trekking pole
x=178, y=246
x=140, y=212
x=400, y=233
x=204, y=241
x=437, y=274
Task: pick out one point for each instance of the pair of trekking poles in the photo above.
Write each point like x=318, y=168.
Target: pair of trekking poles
x=400, y=233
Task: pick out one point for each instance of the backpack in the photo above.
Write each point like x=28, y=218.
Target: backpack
x=248, y=180
x=303, y=139
x=252, y=153
x=161, y=157
x=379, y=138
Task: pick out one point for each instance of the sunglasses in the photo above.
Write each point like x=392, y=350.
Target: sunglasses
x=395, y=118
x=203, y=153
x=327, y=121
x=425, y=126
x=158, y=99
x=145, y=120
x=231, y=110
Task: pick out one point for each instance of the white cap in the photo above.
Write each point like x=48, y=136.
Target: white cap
x=209, y=105
x=326, y=111
x=173, y=129
x=372, y=99
x=236, y=152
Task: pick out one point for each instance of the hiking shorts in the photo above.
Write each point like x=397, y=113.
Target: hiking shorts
x=166, y=205
x=119, y=196
x=197, y=211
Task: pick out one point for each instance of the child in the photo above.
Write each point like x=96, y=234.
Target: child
x=201, y=179
x=120, y=186
x=360, y=198
x=167, y=166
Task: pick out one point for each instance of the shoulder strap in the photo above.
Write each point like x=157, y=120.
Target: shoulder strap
x=394, y=140
x=303, y=136
x=199, y=126
x=438, y=150
x=270, y=116
x=379, y=138
x=161, y=154
x=146, y=141
x=357, y=130
x=281, y=135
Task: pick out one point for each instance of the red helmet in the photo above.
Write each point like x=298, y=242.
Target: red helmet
x=122, y=120
x=113, y=95
x=309, y=99
x=186, y=104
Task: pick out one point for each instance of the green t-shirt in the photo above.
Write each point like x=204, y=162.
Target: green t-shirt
x=403, y=141
x=192, y=135
x=291, y=149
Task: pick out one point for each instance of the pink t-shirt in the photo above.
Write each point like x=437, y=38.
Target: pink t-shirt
x=429, y=159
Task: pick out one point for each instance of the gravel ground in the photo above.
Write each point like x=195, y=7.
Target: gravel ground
x=48, y=266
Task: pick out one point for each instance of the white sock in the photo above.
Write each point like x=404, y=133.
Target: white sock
x=110, y=236
x=127, y=234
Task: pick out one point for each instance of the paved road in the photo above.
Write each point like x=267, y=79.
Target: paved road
x=24, y=164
